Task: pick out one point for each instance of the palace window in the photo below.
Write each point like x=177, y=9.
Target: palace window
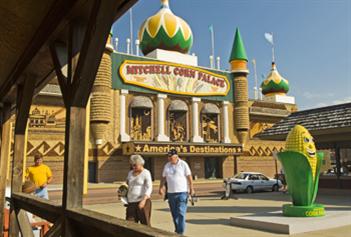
x=177, y=117
x=141, y=119
x=210, y=122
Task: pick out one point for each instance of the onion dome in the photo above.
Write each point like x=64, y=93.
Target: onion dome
x=274, y=84
x=164, y=30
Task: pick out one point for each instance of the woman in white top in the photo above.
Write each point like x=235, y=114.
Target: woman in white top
x=139, y=192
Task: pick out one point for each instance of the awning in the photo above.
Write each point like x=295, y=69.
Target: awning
x=141, y=102
x=178, y=105
x=210, y=109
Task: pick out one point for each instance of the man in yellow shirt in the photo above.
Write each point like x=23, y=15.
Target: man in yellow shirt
x=40, y=175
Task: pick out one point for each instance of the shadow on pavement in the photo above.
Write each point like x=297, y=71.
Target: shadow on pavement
x=227, y=209
x=219, y=221
x=326, y=198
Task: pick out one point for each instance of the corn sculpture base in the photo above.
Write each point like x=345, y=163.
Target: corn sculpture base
x=301, y=164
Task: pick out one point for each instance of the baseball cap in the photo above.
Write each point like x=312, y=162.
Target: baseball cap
x=172, y=152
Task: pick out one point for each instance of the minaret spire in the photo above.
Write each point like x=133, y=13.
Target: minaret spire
x=238, y=62
x=165, y=3
x=238, y=50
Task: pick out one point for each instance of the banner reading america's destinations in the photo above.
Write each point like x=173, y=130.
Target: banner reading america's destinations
x=173, y=78
x=157, y=148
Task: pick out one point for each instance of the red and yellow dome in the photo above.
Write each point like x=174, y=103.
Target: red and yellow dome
x=164, y=30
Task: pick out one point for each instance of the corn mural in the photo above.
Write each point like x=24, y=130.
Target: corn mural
x=301, y=163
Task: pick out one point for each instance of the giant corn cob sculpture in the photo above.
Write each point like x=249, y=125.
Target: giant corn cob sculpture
x=301, y=164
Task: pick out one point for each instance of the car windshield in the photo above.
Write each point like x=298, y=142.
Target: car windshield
x=241, y=176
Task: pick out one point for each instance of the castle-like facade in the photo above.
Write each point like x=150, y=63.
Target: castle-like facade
x=149, y=104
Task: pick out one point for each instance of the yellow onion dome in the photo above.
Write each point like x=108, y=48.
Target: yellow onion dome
x=274, y=84
x=164, y=30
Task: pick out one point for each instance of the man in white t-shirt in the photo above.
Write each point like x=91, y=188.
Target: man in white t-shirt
x=177, y=174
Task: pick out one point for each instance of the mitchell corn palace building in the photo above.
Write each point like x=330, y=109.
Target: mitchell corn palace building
x=149, y=104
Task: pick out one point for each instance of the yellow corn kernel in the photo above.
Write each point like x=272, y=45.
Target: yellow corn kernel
x=300, y=140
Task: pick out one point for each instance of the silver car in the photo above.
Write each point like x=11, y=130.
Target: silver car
x=252, y=181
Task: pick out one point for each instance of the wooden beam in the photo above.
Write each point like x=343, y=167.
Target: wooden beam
x=75, y=172
x=37, y=206
x=59, y=10
x=55, y=230
x=100, y=22
x=59, y=60
x=83, y=74
x=23, y=223
x=5, y=156
x=86, y=150
x=94, y=223
x=24, y=101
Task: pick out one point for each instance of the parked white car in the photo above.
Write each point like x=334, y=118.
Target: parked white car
x=252, y=181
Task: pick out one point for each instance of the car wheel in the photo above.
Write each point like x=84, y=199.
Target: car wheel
x=275, y=188
x=249, y=189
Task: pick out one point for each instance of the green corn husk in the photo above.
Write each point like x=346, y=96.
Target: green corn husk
x=301, y=185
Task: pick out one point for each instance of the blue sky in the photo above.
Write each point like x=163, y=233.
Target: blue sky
x=312, y=40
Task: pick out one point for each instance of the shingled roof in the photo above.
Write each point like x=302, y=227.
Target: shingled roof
x=331, y=117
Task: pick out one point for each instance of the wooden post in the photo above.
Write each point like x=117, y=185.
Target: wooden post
x=4, y=157
x=10, y=138
x=86, y=150
x=76, y=152
x=25, y=150
x=89, y=40
x=24, y=101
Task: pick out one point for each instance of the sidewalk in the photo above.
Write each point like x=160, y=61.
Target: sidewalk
x=210, y=216
x=57, y=187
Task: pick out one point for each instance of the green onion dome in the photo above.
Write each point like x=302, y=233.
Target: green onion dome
x=164, y=30
x=274, y=84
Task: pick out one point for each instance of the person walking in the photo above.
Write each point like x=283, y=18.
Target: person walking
x=177, y=174
x=41, y=175
x=139, y=192
x=283, y=180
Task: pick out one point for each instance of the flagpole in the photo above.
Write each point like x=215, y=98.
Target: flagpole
x=212, y=45
x=255, y=75
x=212, y=37
x=131, y=29
x=273, y=56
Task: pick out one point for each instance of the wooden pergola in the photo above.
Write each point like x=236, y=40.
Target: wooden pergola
x=41, y=40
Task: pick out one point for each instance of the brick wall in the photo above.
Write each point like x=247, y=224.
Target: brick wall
x=228, y=167
x=263, y=164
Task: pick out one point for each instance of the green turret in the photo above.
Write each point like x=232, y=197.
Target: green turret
x=238, y=50
x=238, y=62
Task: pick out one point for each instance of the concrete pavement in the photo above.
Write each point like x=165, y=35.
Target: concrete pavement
x=210, y=216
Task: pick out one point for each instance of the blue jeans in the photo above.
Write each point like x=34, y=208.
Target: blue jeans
x=178, y=205
x=42, y=193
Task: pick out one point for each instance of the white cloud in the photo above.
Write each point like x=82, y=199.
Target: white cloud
x=322, y=102
x=310, y=95
x=342, y=101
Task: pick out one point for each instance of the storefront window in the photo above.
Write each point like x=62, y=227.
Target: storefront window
x=345, y=160
x=141, y=119
x=330, y=163
x=210, y=123
x=177, y=115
